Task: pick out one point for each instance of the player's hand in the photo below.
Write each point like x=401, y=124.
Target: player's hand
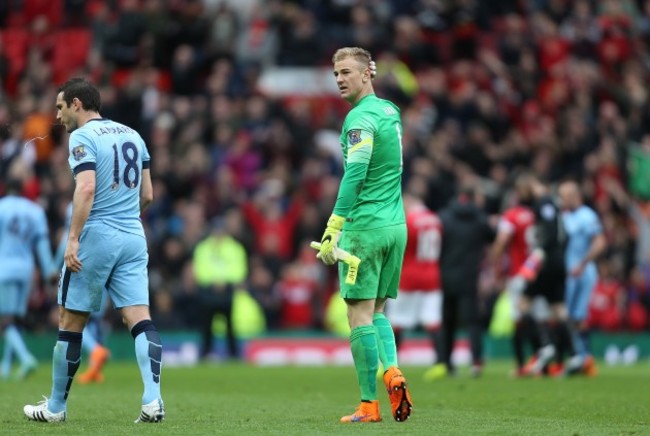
x=577, y=270
x=330, y=239
x=532, y=265
x=70, y=257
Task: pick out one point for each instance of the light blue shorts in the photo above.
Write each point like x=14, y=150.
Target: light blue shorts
x=112, y=260
x=578, y=293
x=14, y=295
x=99, y=315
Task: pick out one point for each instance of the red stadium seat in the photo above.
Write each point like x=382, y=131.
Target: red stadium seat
x=120, y=77
x=52, y=9
x=15, y=19
x=15, y=43
x=70, y=51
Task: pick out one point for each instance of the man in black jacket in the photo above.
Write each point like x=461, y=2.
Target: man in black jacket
x=465, y=235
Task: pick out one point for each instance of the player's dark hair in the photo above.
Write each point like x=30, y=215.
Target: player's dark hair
x=82, y=90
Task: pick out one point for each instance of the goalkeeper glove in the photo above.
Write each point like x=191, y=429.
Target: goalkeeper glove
x=330, y=239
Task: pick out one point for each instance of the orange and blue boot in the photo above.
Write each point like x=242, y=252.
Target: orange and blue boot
x=368, y=411
x=401, y=405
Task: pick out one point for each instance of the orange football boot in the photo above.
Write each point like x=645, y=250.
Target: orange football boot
x=555, y=369
x=93, y=374
x=589, y=367
x=400, y=398
x=366, y=412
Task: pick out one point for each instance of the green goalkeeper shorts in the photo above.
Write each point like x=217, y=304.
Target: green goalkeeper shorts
x=381, y=252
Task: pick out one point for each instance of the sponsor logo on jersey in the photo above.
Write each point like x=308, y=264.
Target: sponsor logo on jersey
x=354, y=136
x=79, y=152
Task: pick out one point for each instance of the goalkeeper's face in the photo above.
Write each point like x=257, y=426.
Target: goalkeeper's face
x=65, y=114
x=352, y=79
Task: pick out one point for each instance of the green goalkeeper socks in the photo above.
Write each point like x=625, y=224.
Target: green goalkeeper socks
x=385, y=340
x=363, y=342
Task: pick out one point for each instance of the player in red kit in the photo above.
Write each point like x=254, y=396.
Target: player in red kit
x=420, y=299
x=515, y=233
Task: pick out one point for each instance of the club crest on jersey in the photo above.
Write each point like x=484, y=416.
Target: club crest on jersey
x=354, y=136
x=79, y=152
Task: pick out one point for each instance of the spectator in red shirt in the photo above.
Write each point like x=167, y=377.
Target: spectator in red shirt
x=298, y=291
x=605, y=306
x=273, y=224
x=638, y=299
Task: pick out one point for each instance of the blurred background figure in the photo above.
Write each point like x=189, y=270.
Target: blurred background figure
x=607, y=302
x=514, y=238
x=24, y=238
x=419, y=303
x=220, y=268
x=466, y=235
x=585, y=244
x=544, y=273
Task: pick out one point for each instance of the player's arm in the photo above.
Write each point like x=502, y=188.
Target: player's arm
x=146, y=189
x=349, y=189
x=596, y=248
x=360, y=143
x=503, y=237
x=82, y=202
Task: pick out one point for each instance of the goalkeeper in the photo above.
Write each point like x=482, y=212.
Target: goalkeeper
x=368, y=222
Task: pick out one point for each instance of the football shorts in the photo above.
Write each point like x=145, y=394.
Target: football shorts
x=381, y=252
x=112, y=260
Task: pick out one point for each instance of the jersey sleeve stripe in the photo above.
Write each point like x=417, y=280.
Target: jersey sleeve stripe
x=86, y=166
x=146, y=164
x=367, y=141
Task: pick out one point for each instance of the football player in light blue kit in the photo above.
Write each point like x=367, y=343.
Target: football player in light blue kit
x=92, y=333
x=106, y=247
x=23, y=232
x=586, y=243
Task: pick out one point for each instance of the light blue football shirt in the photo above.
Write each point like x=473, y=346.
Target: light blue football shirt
x=23, y=232
x=581, y=225
x=118, y=155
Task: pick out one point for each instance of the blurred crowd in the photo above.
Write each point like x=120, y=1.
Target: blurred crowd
x=559, y=86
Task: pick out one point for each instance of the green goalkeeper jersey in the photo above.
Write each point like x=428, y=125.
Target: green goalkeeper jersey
x=370, y=194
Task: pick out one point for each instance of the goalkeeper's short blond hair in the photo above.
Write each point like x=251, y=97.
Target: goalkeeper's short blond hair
x=361, y=55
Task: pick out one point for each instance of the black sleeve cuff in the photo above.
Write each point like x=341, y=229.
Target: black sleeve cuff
x=84, y=167
x=146, y=164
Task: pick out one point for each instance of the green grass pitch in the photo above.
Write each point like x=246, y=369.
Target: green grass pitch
x=240, y=400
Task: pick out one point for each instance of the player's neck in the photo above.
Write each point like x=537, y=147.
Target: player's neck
x=363, y=94
x=87, y=116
